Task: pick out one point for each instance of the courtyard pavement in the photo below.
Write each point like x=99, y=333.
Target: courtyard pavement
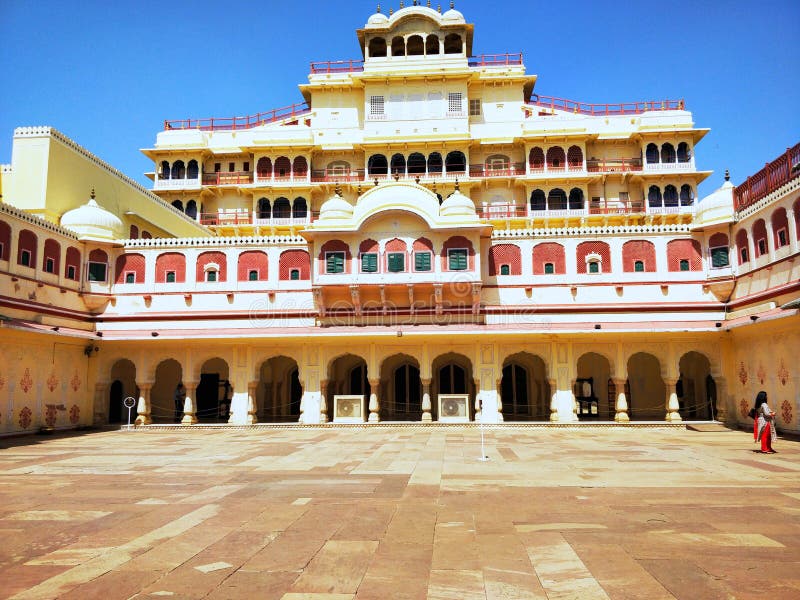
x=384, y=513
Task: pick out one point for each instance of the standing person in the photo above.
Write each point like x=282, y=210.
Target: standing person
x=766, y=423
x=180, y=396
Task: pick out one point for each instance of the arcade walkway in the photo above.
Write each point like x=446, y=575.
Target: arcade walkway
x=399, y=513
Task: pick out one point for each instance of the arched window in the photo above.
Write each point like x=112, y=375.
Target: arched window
x=377, y=47
x=98, y=266
x=432, y=44
x=211, y=266
x=452, y=44
x=300, y=166
x=684, y=255
x=339, y=167
x=178, y=170
x=576, y=199
x=575, y=157
x=780, y=227
x=26, y=248
x=538, y=200
x=536, y=159
x=252, y=266
x=456, y=162
x=742, y=248
x=718, y=249
x=667, y=153
x=638, y=251
x=497, y=162
x=434, y=162
x=264, y=167
x=299, y=208
x=377, y=165
x=555, y=157
x=165, y=170
x=415, y=46
x=654, y=197
x=130, y=268
x=264, y=208
x=651, y=154
x=178, y=204
x=593, y=257
x=398, y=46
x=283, y=167
x=72, y=264
x=398, y=164
x=416, y=164
x=670, y=196
x=556, y=199
x=760, y=237
x=505, y=255
x=552, y=254
x=687, y=195
x=191, y=209
x=134, y=232
x=52, y=256
x=281, y=209
x=684, y=152
x=192, y=170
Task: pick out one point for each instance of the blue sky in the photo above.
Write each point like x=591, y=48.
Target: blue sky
x=107, y=74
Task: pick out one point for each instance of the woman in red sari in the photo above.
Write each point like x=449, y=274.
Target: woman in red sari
x=765, y=423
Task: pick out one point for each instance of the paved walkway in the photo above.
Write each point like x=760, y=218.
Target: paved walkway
x=399, y=513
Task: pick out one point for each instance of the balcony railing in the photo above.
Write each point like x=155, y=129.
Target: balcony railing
x=513, y=211
x=337, y=66
x=490, y=171
x=299, y=177
x=669, y=166
x=228, y=178
x=246, y=122
x=536, y=169
x=626, y=108
x=242, y=217
x=495, y=60
x=322, y=176
x=616, y=165
x=774, y=175
x=177, y=184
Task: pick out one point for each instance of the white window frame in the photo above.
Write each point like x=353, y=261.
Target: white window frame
x=174, y=276
x=594, y=258
x=785, y=237
x=26, y=262
x=125, y=276
x=450, y=251
x=344, y=262
x=256, y=271
x=74, y=273
x=208, y=268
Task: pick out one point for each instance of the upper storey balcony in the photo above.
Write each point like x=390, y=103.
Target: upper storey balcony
x=276, y=115
x=548, y=105
x=774, y=175
x=482, y=61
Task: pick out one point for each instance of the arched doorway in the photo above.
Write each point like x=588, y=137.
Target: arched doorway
x=646, y=389
x=214, y=392
x=591, y=388
x=693, y=387
x=452, y=374
x=169, y=374
x=347, y=375
x=524, y=388
x=123, y=377
x=401, y=389
x=279, y=392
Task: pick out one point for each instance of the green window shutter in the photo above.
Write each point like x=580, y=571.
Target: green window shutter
x=252, y=275
x=294, y=275
x=719, y=257
x=505, y=270
x=422, y=261
x=594, y=267
x=369, y=262
x=170, y=276
x=211, y=275
x=549, y=269
x=130, y=278
x=335, y=262
x=397, y=262
x=684, y=265
x=458, y=259
x=638, y=266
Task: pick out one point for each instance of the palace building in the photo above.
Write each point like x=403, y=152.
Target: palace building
x=424, y=238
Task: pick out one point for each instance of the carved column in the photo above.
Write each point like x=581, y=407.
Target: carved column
x=323, y=401
x=143, y=408
x=574, y=403
x=673, y=416
x=190, y=403
x=553, y=400
x=621, y=405
x=426, y=401
x=252, y=410
x=374, y=404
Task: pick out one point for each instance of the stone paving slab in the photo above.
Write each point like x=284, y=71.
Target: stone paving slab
x=407, y=513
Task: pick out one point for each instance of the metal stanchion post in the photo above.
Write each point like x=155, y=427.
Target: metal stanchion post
x=129, y=403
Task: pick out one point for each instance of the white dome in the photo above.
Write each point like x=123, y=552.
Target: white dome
x=336, y=207
x=457, y=204
x=717, y=207
x=453, y=16
x=91, y=221
x=378, y=19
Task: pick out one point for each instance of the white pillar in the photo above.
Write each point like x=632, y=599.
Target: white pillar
x=426, y=401
x=143, y=408
x=673, y=416
x=621, y=406
x=190, y=404
x=374, y=403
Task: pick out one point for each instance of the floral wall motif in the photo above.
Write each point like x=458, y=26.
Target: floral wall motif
x=52, y=381
x=744, y=408
x=783, y=374
x=786, y=412
x=26, y=382
x=25, y=417
x=2, y=382
x=50, y=416
x=75, y=382
x=742, y=373
x=74, y=414
x=762, y=373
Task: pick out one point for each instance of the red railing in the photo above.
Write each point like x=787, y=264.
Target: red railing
x=627, y=108
x=246, y=122
x=321, y=175
x=227, y=178
x=614, y=165
x=337, y=66
x=495, y=60
x=775, y=174
x=504, y=211
x=488, y=171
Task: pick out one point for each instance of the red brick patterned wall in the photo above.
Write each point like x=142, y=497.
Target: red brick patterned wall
x=212, y=257
x=678, y=250
x=52, y=249
x=637, y=250
x=422, y=244
x=600, y=248
x=505, y=254
x=294, y=259
x=368, y=246
x=252, y=259
x=718, y=239
x=171, y=261
x=130, y=262
x=98, y=255
x=549, y=252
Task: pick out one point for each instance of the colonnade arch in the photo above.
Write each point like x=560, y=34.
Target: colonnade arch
x=168, y=374
x=524, y=388
x=278, y=392
x=123, y=384
x=452, y=374
x=592, y=387
x=646, y=390
x=401, y=389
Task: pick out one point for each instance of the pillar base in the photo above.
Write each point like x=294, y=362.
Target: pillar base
x=673, y=417
x=427, y=418
x=251, y=419
x=374, y=418
x=189, y=420
x=554, y=417
x=622, y=417
x=143, y=420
